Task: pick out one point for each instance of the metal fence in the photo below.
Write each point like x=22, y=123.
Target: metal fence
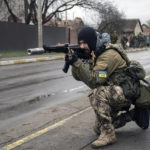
x=18, y=36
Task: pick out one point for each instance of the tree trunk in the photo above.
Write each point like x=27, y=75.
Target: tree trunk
x=14, y=17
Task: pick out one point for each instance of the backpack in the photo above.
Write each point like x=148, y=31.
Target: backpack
x=134, y=72
x=144, y=100
x=130, y=86
x=128, y=78
x=142, y=103
x=132, y=81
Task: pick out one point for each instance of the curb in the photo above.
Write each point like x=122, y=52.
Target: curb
x=136, y=50
x=38, y=59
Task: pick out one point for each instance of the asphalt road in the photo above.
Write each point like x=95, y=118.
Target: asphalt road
x=28, y=88
x=33, y=97
x=143, y=57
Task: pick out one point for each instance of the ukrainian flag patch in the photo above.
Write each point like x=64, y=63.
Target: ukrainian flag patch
x=102, y=74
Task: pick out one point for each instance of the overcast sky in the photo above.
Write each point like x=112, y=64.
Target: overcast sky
x=132, y=9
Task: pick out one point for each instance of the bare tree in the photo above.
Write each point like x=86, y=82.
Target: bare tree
x=11, y=9
x=3, y=12
x=49, y=8
x=30, y=11
x=15, y=18
x=111, y=18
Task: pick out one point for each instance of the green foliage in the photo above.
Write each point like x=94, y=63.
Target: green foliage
x=124, y=41
x=138, y=41
x=12, y=53
x=114, y=38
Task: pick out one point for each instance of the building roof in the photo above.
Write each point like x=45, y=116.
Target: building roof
x=128, y=25
x=146, y=26
x=146, y=29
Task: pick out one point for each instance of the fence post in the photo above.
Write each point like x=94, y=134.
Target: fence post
x=40, y=31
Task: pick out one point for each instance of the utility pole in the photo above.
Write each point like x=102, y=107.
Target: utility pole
x=66, y=15
x=40, y=28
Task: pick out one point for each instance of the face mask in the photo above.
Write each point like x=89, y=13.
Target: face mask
x=82, y=54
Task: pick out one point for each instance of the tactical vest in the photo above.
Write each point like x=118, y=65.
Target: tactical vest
x=128, y=78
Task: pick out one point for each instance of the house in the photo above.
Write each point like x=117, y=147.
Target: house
x=131, y=27
x=132, y=33
x=72, y=27
x=146, y=29
x=123, y=27
x=146, y=32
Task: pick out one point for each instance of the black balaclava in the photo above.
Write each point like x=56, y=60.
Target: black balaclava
x=88, y=35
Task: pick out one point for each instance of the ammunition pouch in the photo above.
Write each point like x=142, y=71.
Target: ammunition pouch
x=130, y=86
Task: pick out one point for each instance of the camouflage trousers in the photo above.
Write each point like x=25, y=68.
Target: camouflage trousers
x=107, y=101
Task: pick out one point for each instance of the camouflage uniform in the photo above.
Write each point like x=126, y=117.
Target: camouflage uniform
x=107, y=101
x=106, y=98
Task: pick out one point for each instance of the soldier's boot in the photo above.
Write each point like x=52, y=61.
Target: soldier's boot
x=106, y=137
x=96, y=127
x=96, y=130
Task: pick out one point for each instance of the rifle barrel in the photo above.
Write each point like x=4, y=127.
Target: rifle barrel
x=63, y=48
x=32, y=51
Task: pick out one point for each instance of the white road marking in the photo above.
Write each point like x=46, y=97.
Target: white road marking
x=147, y=77
x=74, y=89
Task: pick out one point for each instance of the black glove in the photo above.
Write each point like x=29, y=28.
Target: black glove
x=71, y=58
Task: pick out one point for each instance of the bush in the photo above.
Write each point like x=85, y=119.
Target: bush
x=138, y=41
x=124, y=41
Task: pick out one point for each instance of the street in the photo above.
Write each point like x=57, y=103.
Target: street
x=38, y=96
x=28, y=87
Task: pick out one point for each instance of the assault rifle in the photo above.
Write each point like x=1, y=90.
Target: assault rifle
x=62, y=48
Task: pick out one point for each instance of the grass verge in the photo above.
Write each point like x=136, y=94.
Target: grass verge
x=21, y=53
x=12, y=53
